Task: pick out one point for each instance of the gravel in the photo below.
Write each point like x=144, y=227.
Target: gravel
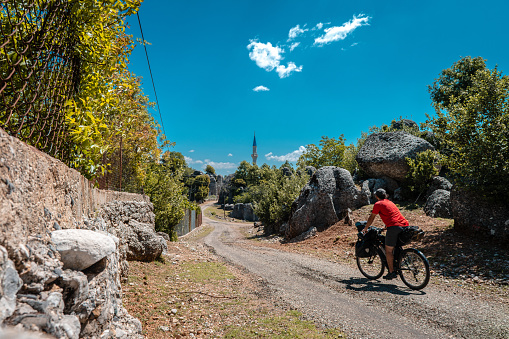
x=335, y=294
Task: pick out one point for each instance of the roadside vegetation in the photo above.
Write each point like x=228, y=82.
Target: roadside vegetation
x=470, y=133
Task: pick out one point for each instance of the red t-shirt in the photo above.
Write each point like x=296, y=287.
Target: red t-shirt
x=390, y=214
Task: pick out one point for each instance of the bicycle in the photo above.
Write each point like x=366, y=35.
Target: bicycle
x=410, y=264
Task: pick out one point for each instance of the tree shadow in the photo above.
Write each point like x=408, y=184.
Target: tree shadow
x=366, y=285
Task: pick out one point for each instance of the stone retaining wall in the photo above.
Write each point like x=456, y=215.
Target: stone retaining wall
x=38, y=195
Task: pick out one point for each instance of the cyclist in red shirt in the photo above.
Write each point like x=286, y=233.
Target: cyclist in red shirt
x=394, y=223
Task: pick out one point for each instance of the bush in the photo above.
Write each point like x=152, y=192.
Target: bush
x=472, y=125
x=422, y=169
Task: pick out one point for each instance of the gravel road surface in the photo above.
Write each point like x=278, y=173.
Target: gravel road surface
x=337, y=295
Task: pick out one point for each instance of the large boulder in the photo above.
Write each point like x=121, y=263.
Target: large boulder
x=143, y=243
x=473, y=213
x=439, y=183
x=80, y=249
x=438, y=204
x=324, y=201
x=384, y=154
x=244, y=212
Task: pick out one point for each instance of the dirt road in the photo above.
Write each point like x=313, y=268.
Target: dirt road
x=336, y=295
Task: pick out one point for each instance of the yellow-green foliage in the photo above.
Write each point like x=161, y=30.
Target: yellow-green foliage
x=421, y=170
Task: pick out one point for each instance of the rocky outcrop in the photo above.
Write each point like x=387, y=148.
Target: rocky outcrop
x=226, y=190
x=244, y=212
x=384, y=154
x=438, y=183
x=370, y=186
x=324, y=201
x=438, y=204
x=402, y=123
x=474, y=214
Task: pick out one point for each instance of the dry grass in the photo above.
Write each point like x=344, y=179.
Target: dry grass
x=190, y=294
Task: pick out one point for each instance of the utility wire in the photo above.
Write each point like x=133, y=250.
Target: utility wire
x=151, y=77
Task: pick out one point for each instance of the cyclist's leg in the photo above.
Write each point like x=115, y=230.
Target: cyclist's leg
x=391, y=240
x=389, y=254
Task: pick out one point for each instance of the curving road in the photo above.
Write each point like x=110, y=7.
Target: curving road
x=336, y=295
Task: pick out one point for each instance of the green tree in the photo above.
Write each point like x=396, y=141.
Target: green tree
x=201, y=183
x=472, y=125
x=165, y=188
x=273, y=198
x=210, y=170
x=330, y=152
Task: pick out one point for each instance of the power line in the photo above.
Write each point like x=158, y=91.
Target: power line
x=150, y=70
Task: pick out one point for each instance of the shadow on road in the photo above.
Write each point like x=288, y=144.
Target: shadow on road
x=366, y=285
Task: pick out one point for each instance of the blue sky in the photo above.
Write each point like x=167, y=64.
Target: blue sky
x=294, y=71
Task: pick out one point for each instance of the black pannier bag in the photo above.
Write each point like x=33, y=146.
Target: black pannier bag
x=364, y=249
x=365, y=245
x=410, y=233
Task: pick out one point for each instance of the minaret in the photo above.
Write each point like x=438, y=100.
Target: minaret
x=254, y=155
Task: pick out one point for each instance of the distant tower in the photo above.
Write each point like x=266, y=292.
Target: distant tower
x=254, y=155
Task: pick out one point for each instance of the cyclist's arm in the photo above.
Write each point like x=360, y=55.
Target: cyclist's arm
x=370, y=221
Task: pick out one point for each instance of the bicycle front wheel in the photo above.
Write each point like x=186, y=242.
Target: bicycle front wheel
x=371, y=267
x=414, y=269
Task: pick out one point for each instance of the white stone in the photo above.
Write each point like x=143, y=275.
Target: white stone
x=80, y=249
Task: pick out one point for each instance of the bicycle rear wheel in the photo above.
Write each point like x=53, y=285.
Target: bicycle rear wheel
x=371, y=267
x=414, y=269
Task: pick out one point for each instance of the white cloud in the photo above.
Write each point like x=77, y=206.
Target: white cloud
x=222, y=165
x=285, y=71
x=354, y=44
x=191, y=151
x=266, y=56
x=190, y=160
x=269, y=58
x=261, y=89
x=337, y=33
x=291, y=157
x=319, y=25
x=295, y=32
x=230, y=155
x=294, y=45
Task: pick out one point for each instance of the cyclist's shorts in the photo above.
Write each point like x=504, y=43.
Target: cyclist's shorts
x=391, y=238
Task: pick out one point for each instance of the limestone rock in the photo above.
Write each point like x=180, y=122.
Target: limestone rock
x=80, y=249
x=439, y=183
x=306, y=235
x=474, y=214
x=143, y=243
x=324, y=201
x=244, y=212
x=383, y=154
x=438, y=204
